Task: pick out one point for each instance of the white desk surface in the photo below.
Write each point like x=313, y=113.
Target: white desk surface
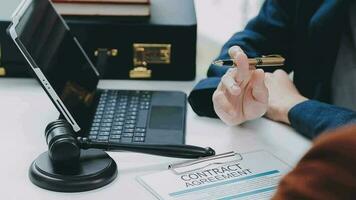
x=25, y=110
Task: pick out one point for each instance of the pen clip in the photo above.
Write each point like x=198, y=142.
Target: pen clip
x=187, y=166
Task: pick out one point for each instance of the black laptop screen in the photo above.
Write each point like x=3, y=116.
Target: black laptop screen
x=59, y=56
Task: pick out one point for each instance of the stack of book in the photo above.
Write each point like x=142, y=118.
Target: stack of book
x=117, y=8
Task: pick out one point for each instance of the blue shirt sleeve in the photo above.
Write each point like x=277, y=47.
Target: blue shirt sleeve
x=268, y=33
x=311, y=118
x=200, y=99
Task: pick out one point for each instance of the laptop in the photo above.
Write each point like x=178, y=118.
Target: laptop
x=70, y=80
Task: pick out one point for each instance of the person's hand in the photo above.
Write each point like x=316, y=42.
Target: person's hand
x=283, y=95
x=241, y=94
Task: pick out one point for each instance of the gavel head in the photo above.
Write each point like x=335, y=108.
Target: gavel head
x=63, y=147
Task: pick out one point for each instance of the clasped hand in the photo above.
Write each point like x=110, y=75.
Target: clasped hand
x=244, y=94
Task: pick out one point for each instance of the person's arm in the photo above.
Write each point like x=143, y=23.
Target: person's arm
x=268, y=33
x=308, y=117
x=327, y=171
x=311, y=118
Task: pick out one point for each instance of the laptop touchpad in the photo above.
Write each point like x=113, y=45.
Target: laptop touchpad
x=166, y=117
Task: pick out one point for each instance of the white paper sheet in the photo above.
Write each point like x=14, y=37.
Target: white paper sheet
x=256, y=177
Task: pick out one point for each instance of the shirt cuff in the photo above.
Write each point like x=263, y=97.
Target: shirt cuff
x=311, y=118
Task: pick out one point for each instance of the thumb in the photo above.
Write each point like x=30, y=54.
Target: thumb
x=259, y=89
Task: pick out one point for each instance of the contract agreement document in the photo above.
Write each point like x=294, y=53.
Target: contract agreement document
x=253, y=175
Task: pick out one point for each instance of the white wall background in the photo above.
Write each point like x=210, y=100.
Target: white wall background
x=218, y=20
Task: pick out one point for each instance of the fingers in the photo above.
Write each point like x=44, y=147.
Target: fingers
x=281, y=75
x=241, y=61
x=243, y=71
x=280, y=72
x=225, y=98
x=228, y=101
x=259, y=89
x=268, y=80
x=234, y=50
x=224, y=108
x=228, y=82
x=221, y=102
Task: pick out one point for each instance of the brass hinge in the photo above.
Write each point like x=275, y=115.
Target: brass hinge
x=109, y=52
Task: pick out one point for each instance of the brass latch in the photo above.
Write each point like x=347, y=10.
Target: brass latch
x=140, y=72
x=145, y=54
x=2, y=71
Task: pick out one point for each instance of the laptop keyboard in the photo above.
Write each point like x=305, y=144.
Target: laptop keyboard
x=121, y=116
